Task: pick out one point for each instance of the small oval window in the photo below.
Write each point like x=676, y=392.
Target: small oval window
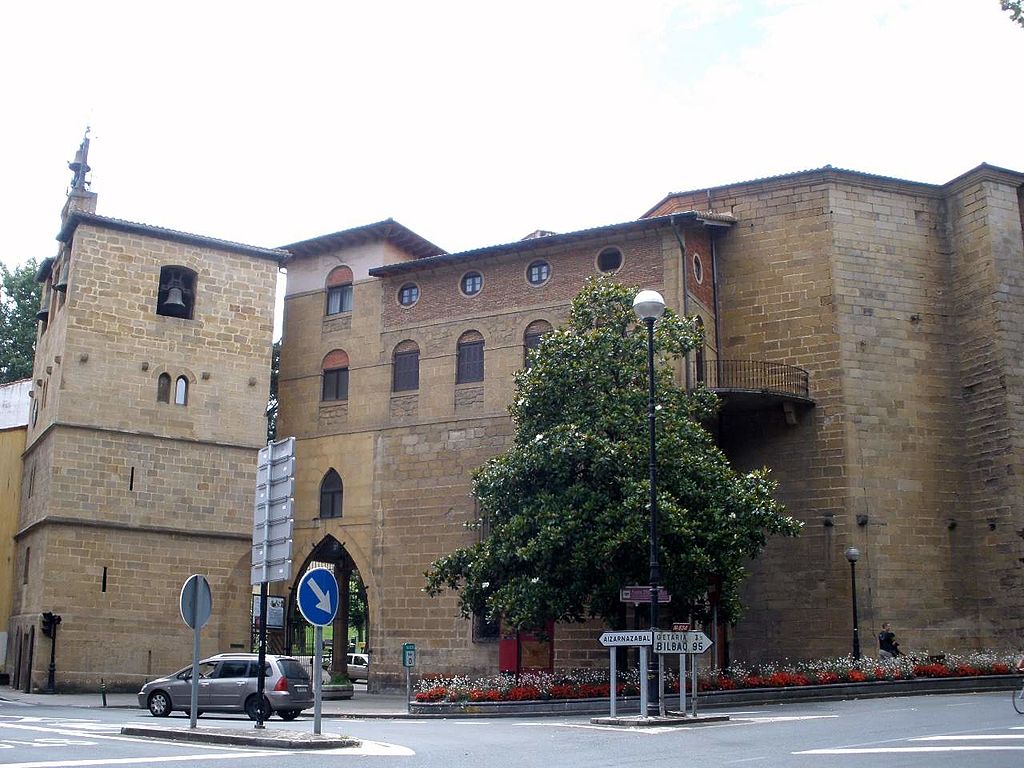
x=408, y=294
x=472, y=283
x=609, y=260
x=698, y=268
x=538, y=272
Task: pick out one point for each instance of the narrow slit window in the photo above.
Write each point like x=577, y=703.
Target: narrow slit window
x=131, y=479
x=163, y=388
x=103, y=581
x=181, y=391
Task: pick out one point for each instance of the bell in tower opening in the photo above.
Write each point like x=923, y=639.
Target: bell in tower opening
x=177, y=292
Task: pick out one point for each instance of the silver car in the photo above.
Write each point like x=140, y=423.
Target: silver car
x=358, y=666
x=227, y=683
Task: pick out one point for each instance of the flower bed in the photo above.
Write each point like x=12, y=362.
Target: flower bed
x=593, y=683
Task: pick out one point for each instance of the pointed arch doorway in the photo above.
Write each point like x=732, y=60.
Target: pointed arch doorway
x=351, y=621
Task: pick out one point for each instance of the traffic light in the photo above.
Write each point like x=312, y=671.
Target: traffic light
x=50, y=622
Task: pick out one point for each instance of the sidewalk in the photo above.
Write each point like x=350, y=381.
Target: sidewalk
x=362, y=704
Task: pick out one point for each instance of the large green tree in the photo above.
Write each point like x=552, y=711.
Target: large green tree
x=19, y=302
x=1015, y=8
x=566, y=506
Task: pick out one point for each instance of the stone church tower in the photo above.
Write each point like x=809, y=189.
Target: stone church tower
x=148, y=399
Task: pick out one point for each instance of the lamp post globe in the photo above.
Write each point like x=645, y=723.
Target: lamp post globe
x=649, y=306
x=852, y=555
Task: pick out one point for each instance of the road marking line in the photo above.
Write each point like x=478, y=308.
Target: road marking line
x=970, y=737
x=94, y=735
x=784, y=718
x=897, y=750
x=137, y=760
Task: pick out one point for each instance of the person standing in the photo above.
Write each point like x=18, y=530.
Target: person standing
x=888, y=648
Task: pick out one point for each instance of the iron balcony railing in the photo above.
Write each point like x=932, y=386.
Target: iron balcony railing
x=754, y=376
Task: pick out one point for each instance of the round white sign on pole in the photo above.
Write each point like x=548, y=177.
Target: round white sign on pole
x=196, y=601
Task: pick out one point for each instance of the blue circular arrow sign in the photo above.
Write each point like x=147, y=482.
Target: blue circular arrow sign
x=318, y=596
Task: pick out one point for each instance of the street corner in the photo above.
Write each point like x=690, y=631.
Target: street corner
x=265, y=739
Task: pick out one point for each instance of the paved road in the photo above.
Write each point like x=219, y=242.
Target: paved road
x=927, y=731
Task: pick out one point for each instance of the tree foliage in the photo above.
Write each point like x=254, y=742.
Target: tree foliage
x=566, y=506
x=1015, y=8
x=19, y=302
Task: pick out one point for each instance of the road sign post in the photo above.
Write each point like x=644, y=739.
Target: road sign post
x=271, y=536
x=196, y=604
x=613, y=640
x=408, y=661
x=318, y=603
x=690, y=643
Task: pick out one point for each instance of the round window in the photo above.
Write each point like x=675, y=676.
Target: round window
x=609, y=260
x=538, y=272
x=472, y=283
x=698, y=268
x=408, y=294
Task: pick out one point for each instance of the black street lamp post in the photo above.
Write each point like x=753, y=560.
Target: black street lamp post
x=649, y=306
x=853, y=554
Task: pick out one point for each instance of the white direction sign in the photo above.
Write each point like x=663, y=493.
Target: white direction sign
x=272, y=514
x=681, y=642
x=627, y=638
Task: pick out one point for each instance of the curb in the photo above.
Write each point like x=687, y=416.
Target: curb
x=269, y=740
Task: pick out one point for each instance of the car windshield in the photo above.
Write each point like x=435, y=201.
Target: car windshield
x=293, y=670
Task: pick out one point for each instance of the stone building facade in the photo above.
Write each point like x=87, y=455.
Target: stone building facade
x=149, y=389
x=865, y=334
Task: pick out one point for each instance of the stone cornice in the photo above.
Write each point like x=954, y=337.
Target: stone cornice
x=76, y=522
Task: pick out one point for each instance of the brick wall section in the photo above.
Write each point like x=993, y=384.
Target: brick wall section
x=988, y=300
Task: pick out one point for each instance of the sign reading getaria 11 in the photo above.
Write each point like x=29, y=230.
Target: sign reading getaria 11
x=272, y=522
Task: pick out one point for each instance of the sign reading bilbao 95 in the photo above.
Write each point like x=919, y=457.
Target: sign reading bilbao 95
x=681, y=642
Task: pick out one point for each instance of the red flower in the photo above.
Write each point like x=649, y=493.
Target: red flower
x=523, y=693
x=490, y=694
x=930, y=670
x=434, y=694
x=856, y=676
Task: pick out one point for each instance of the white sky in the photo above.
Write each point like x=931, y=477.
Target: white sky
x=476, y=123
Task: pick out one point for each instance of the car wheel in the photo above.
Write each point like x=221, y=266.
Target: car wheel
x=289, y=714
x=159, y=704
x=252, y=707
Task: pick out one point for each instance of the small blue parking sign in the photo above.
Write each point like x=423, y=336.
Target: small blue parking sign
x=318, y=596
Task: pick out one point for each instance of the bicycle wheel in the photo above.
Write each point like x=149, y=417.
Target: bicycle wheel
x=1018, y=700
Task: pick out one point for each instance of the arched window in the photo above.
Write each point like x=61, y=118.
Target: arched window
x=163, y=388
x=532, y=336
x=331, y=495
x=470, y=358
x=335, y=376
x=177, y=292
x=181, y=391
x=339, y=291
x=405, y=374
